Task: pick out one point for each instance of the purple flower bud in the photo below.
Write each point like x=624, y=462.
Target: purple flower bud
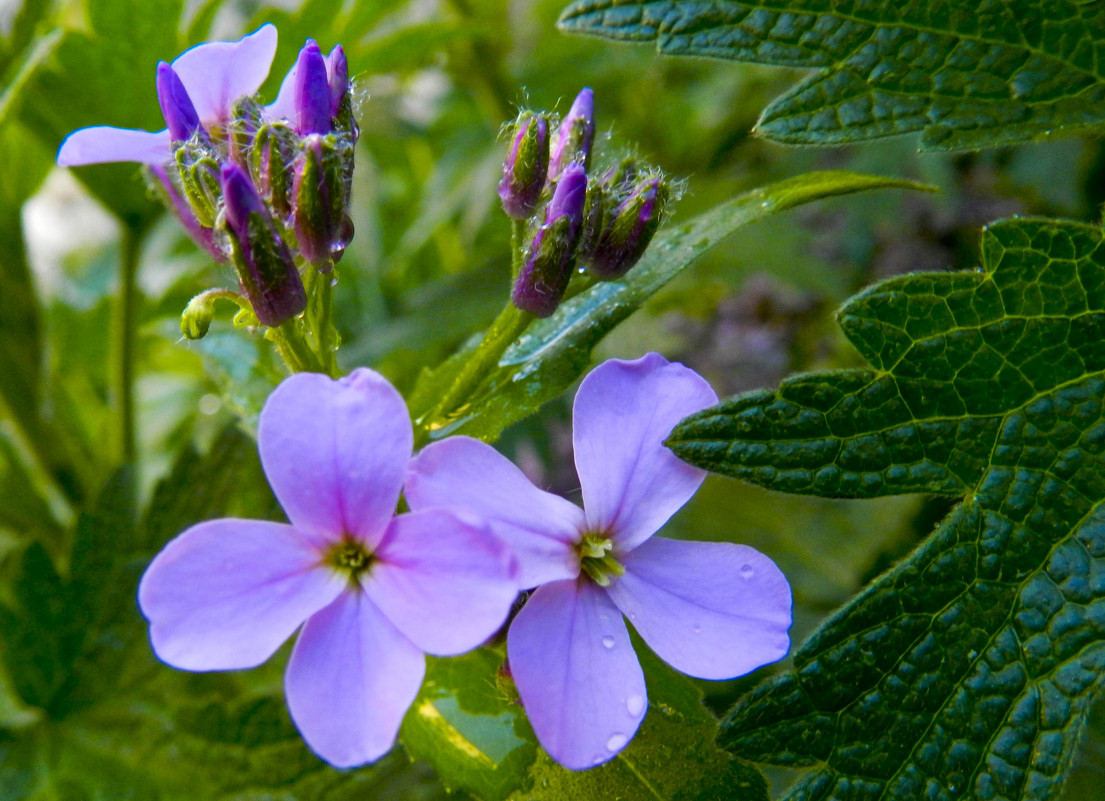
x=339, y=79
x=266, y=268
x=318, y=202
x=575, y=135
x=629, y=230
x=312, y=91
x=544, y=276
x=176, y=106
x=525, y=168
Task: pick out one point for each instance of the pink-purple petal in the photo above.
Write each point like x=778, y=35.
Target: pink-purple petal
x=443, y=581
x=335, y=452
x=351, y=678
x=539, y=527
x=103, y=144
x=216, y=74
x=709, y=609
x=577, y=675
x=623, y=413
x=226, y=593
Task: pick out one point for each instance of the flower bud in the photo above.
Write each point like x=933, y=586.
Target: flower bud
x=199, y=177
x=246, y=117
x=265, y=266
x=318, y=201
x=525, y=167
x=312, y=96
x=575, y=135
x=339, y=80
x=197, y=316
x=544, y=276
x=176, y=106
x=630, y=228
x=270, y=160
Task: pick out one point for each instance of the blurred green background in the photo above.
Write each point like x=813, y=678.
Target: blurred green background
x=429, y=266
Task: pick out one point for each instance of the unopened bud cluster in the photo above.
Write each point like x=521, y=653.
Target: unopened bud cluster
x=267, y=190
x=602, y=223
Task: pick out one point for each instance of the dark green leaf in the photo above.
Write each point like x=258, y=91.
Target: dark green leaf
x=553, y=352
x=967, y=75
x=966, y=670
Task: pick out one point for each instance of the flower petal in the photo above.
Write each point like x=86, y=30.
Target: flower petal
x=218, y=73
x=576, y=672
x=103, y=144
x=335, y=452
x=539, y=527
x=623, y=413
x=444, y=582
x=350, y=680
x=714, y=610
x=226, y=593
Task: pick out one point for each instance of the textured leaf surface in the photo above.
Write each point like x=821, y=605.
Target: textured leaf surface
x=967, y=75
x=966, y=670
x=554, y=352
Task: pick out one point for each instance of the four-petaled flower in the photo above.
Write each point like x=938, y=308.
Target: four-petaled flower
x=213, y=76
x=373, y=591
x=712, y=610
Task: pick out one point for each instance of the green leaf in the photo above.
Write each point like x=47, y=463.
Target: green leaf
x=968, y=668
x=966, y=75
x=106, y=78
x=672, y=758
x=469, y=728
x=554, y=352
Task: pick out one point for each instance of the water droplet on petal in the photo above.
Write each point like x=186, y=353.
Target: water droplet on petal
x=747, y=572
x=616, y=742
x=635, y=704
x=697, y=629
x=607, y=641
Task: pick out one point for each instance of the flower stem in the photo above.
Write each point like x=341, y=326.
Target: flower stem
x=511, y=322
x=124, y=328
x=324, y=323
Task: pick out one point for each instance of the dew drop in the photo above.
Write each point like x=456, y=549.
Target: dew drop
x=697, y=629
x=635, y=704
x=616, y=742
x=747, y=572
x=607, y=641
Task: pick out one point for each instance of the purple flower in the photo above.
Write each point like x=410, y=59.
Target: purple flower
x=712, y=610
x=372, y=591
x=312, y=92
x=209, y=78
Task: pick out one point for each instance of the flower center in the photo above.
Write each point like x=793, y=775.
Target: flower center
x=596, y=559
x=349, y=557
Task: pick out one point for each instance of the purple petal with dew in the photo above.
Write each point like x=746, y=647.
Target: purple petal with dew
x=623, y=413
x=539, y=527
x=714, y=610
x=337, y=75
x=577, y=675
x=218, y=73
x=351, y=678
x=226, y=593
x=335, y=452
x=442, y=580
x=103, y=144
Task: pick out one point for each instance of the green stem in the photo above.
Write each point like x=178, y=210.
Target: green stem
x=125, y=327
x=324, y=324
x=293, y=349
x=484, y=360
